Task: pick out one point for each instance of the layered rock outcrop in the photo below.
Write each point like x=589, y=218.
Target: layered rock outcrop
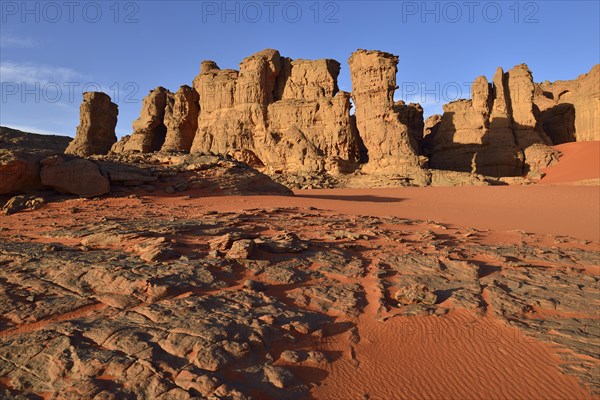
x=149, y=130
x=489, y=133
x=570, y=110
x=20, y=157
x=277, y=113
x=78, y=176
x=411, y=115
x=382, y=124
x=20, y=170
x=525, y=116
x=181, y=119
x=289, y=119
x=97, y=123
x=431, y=126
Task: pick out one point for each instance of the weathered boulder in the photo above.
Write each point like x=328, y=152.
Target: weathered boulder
x=570, y=110
x=181, y=119
x=539, y=156
x=390, y=146
x=19, y=171
x=77, y=176
x=23, y=202
x=278, y=114
x=20, y=156
x=241, y=249
x=97, y=121
x=488, y=134
x=149, y=130
x=415, y=294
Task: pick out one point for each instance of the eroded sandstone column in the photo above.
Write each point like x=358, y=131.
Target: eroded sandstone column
x=527, y=130
x=97, y=122
x=387, y=139
x=149, y=130
x=181, y=119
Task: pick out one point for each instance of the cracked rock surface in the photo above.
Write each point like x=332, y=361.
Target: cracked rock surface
x=185, y=302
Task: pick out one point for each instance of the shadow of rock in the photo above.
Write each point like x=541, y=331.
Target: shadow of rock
x=364, y=198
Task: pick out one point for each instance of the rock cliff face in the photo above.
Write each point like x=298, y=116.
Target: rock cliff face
x=525, y=115
x=411, y=115
x=289, y=119
x=149, y=130
x=181, y=119
x=96, y=130
x=281, y=114
x=489, y=133
x=383, y=125
x=570, y=110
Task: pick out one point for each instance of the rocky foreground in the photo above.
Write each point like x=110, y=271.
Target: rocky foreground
x=145, y=296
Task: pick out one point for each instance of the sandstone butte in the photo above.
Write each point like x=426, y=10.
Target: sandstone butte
x=284, y=116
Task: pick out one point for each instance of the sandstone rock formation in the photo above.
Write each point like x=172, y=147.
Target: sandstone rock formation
x=31, y=163
x=415, y=294
x=281, y=114
x=411, y=115
x=526, y=126
x=381, y=123
x=431, y=126
x=97, y=122
x=488, y=134
x=77, y=176
x=22, y=202
x=289, y=119
x=570, y=110
x=19, y=171
x=181, y=119
x=20, y=156
x=171, y=173
x=540, y=156
x=149, y=130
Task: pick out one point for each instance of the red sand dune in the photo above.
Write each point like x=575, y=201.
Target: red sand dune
x=454, y=357
x=545, y=208
x=558, y=210
x=579, y=161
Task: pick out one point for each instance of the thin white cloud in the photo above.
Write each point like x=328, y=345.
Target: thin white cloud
x=35, y=73
x=8, y=40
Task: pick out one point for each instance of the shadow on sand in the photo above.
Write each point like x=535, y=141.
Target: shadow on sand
x=361, y=198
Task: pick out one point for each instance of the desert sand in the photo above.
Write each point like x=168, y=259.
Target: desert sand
x=545, y=208
x=580, y=161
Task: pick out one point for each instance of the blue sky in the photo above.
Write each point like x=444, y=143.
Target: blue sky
x=53, y=50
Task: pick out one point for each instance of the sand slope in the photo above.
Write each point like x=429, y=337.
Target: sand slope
x=452, y=357
x=545, y=209
x=579, y=161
